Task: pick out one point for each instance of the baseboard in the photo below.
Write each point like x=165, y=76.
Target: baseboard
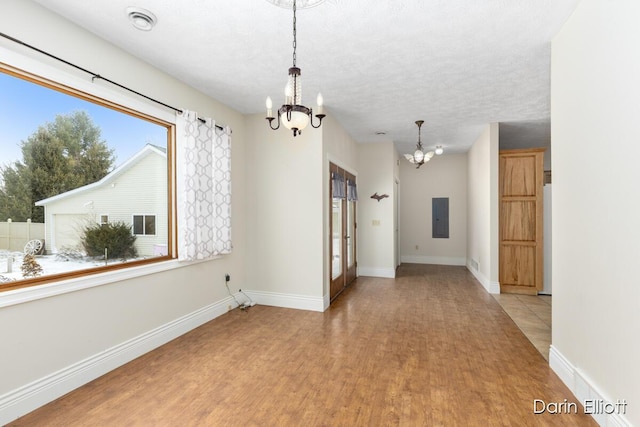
x=584, y=389
x=389, y=273
x=438, y=260
x=300, y=302
x=491, y=287
x=29, y=397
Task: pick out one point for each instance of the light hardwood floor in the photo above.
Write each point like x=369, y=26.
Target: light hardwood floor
x=429, y=348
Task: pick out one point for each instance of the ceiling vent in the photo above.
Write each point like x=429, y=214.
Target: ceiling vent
x=142, y=19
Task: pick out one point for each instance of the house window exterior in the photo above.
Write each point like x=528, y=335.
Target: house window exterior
x=144, y=225
x=104, y=219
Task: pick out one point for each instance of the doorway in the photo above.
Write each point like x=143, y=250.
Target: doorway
x=343, y=196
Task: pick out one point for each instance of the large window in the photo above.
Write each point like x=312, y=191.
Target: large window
x=67, y=158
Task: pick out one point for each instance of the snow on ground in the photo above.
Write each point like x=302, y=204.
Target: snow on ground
x=51, y=264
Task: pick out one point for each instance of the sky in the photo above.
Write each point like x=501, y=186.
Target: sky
x=25, y=106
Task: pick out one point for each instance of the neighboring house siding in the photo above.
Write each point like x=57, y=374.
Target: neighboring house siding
x=140, y=189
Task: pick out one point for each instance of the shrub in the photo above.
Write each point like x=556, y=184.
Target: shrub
x=115, y=236
x=30, y=267
x=69, y=253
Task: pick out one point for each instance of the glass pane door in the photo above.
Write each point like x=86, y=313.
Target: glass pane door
x=351, y=234
x=336, y=238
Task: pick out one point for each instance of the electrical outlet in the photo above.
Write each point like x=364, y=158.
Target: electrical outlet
x=229, y=307
x=227, y=277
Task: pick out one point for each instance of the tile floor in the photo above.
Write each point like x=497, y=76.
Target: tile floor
x=532, y=314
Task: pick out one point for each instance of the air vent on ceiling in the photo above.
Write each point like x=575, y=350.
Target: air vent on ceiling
x=142, y=19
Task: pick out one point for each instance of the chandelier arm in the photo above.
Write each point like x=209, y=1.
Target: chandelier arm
x=319, y=116
x=271, y=119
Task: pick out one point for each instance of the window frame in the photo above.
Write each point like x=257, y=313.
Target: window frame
x=75, y=84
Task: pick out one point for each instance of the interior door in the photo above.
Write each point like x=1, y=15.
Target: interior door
x=343, y=202
x=521, y=225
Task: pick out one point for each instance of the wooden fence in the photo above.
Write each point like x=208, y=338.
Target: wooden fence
x=15, y=235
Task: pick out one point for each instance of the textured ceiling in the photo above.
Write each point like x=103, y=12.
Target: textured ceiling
x=380, y=65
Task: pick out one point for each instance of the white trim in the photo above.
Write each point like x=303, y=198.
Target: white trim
x=561, y=366
x=29, y=397
x=389, y=273
x=277, y=299
x=32, y=293
x=439, y=260
x=330, y=159
x=491, y=287
x=583, y=388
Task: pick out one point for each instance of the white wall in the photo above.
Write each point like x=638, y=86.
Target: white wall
x=482, y=217
x=442, y=176
x=376, y=236
x=285, y=198
x=52, y=344
x=595, y=88
x=288, y=201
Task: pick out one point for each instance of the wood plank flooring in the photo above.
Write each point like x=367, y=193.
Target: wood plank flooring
x=429, y=348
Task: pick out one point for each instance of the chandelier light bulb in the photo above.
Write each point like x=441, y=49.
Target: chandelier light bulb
x=418, y=156
x=439, y=150
x=320, y=102
x=269, y=107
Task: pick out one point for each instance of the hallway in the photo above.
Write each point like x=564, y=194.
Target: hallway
x=430, y=347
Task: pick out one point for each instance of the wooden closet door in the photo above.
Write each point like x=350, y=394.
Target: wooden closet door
x=521, y=195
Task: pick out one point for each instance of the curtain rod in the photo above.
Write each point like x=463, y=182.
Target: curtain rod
x=95, y=75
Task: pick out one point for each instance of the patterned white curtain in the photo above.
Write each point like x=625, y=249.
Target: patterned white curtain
x=203, y=187
x=337, y=185
x=352, y=191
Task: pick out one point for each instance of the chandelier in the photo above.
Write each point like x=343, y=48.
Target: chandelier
x=419, y=157
x=293, y=115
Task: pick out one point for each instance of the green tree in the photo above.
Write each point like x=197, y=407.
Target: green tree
x=59, y=156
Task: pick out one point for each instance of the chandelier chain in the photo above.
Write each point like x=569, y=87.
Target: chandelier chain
x=294, y=33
